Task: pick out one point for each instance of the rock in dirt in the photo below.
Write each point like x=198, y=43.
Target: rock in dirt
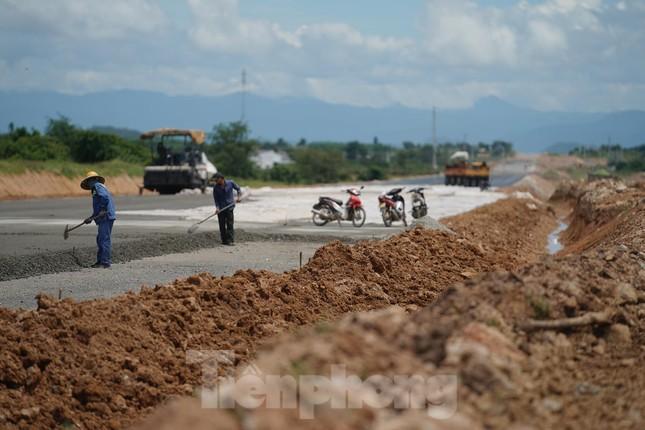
x=618, y=334
x=625, y=294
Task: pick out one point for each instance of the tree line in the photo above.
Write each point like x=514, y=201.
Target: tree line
x=619, y=159
x=64, y=141
x=230, y=147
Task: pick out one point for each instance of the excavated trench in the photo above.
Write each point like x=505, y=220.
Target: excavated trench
x=553, y=242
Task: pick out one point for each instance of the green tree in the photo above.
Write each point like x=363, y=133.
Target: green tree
x=33, y=147
x=318, y=165
x=61, y=129
x=230, y=150
x=355, y=151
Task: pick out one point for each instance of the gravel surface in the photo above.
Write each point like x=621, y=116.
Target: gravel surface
x=14, y=267
x=85, y=284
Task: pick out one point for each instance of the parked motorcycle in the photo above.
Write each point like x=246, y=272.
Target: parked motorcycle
x=392, y=207
x=329, y=209
x=419, y=207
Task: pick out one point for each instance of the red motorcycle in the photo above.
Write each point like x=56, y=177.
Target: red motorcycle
x=329, y=209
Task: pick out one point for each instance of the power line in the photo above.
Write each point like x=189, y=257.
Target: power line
x=243, y=116
x=434, y=138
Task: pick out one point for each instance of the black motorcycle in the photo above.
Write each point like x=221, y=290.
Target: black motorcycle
x=419, y=206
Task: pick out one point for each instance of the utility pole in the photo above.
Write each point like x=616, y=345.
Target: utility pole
x=434, y=139
x=243, y=117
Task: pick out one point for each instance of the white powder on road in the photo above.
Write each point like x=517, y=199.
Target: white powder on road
x=277, y=205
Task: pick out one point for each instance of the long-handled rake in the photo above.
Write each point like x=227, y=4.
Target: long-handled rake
x=67, y=229
x=193, y=228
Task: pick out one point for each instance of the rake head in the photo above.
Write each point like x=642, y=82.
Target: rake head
x=193, y=228
x=66, y=233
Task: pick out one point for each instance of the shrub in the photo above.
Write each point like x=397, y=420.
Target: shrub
x=34, y=147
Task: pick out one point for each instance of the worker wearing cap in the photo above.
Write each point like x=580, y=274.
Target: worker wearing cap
x=103, y=215
x=224, y=205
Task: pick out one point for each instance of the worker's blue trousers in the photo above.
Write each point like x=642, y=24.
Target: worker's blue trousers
x=104, y=242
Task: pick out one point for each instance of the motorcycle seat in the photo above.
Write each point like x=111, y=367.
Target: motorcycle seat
x=337, y=201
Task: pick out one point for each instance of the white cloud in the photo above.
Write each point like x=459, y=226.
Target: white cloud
x=546, y=37
x=219, y=28
x=463, y=33
x=87, y=19
x=584, y=54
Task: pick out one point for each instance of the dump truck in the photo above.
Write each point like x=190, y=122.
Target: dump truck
x=460, y=171
x=179, y=161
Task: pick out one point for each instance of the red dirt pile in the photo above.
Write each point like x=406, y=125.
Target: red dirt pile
x=107, y=363
x=555, y=344
x=502, y=227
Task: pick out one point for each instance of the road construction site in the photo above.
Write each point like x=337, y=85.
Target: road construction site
x=535, y=340
x=151, y=245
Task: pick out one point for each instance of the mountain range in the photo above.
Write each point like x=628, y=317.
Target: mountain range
x=489, y=119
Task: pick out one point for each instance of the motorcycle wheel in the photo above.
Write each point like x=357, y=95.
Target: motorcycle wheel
x=387, y=221
x=319, y=220
x=359, y=217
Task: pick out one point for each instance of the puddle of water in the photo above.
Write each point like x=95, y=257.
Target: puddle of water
x=554, y=244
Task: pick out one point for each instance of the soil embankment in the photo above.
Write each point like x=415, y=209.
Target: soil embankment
x=33, y=185
x=606, y=211
x=108, y=363
x=552, y=344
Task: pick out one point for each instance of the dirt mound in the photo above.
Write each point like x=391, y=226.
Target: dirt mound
x=534, y=184
x=553, y=345
x=566, y=192
x=105, y=363
x=606, y=212
x=494, y=227
x=30, y=185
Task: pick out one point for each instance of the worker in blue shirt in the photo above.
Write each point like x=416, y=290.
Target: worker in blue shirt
x=224, y=206
x=103, y=215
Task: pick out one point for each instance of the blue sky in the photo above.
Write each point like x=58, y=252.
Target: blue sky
x=585, y=55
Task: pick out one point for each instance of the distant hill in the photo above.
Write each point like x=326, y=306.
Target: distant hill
x=293, y=118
